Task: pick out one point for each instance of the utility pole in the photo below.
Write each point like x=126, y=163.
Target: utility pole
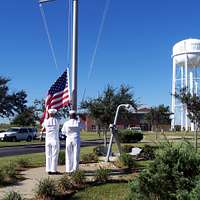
x=74, y=54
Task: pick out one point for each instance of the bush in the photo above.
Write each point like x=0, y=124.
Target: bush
x=24, y=163
x=126, y=160
x=61, y=158
x=12, y=196
x=10, y=170
x=100, y=150
x=172, y=175
x=101, y=175
x=46, y=189
x=90, y=157
x=8, y=174
x=2, y=177
x=127, y=148
x=129, y=136
x=78, y=178
x=64, y=183
x=148, y=152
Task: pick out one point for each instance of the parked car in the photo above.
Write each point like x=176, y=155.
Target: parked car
x=136, y=129
x=34, y=132
x=43, y=135
x=17, y=134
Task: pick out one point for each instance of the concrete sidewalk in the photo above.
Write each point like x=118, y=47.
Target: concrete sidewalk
x=34, y=175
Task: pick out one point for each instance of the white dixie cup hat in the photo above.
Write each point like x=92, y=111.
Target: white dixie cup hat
x=52, y=111
x=71, y=112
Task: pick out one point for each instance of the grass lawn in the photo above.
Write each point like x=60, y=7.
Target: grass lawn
x=90, y=135
x=36, y=159
x=9, y=144
x=109, y=191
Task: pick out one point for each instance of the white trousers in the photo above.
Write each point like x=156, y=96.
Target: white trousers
x=52, y=151
x=72, y=153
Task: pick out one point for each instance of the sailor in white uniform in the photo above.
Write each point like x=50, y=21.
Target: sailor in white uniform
x=71, y=129
x=52, y=145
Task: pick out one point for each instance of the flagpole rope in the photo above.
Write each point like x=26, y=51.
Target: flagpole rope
x=91, y=68
x=48, y=35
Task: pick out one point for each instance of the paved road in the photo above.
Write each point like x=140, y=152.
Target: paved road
x=37, y=148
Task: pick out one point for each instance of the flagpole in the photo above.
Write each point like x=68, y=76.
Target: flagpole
x=74, y=54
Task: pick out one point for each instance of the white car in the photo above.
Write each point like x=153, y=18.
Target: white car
x=17, y=134
x=136, y=129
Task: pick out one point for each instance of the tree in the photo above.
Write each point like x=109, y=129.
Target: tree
x=13, y=103
x=192, y=101
x=102, y=109
x=27, y=118
x=158, y=115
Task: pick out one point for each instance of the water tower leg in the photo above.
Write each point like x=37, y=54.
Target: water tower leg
x=186, y=85
x=192, y=93
x=182, y=106
x=173, y=94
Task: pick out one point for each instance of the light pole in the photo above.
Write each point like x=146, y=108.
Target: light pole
x=113, y=129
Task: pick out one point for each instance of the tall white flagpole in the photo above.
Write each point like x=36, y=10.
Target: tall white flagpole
x=74, y=54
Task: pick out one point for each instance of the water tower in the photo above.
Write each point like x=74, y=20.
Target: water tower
x=186, y=63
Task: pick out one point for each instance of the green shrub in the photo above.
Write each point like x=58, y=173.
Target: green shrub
x=127, y=148
x=101, y=175
x=13, y=196
x=10, y=170
x=100, y=150
x=23, y=162
x=78, y=178
x=172, y=175
x=65, y=183
x=195, y=193
x=129, y=136
x=125, y=160
x=88, y=158
x=2, y=177
x=46, y=189
x=148, y=152
x=61, y=158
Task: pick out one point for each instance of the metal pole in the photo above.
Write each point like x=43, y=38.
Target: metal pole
x=74, y=54
x=113, y=134
x=173, y=94
x=182, y=105
x=186, y=85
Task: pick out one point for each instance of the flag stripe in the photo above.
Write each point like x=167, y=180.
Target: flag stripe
x=58, y=102
x=58, y=95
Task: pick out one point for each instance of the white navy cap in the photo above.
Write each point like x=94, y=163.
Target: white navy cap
x=71, y=112
x=52, y=111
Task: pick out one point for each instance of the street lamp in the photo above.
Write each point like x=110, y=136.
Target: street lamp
x=113, y=129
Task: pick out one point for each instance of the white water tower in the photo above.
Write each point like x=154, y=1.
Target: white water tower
x=186, y=63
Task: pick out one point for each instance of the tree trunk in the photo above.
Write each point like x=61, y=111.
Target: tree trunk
x=99, y=130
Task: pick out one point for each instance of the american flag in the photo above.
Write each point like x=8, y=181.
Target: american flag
x=58, y=95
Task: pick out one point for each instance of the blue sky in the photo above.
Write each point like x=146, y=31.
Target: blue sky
x=135, y=46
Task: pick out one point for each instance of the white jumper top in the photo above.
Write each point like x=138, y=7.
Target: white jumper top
x=52, y=129
x=71, y=128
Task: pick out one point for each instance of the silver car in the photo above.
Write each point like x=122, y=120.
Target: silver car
x=17, y=134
